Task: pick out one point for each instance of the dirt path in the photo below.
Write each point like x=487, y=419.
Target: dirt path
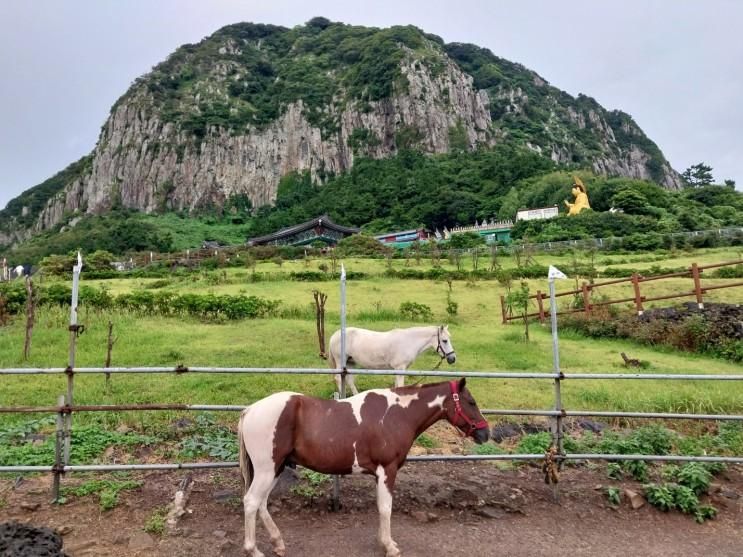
x=440, y=509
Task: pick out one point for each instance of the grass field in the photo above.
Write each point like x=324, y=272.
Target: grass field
x=481, y=341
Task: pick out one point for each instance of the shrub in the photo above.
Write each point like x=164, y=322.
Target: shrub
x=415, y=311
x=694, y=476
x=534, y=443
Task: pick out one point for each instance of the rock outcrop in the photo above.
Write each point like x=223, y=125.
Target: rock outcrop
x=162, y=147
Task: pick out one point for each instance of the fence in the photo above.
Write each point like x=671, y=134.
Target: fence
x=65, y=406
x=194, y=257
x=587, y=289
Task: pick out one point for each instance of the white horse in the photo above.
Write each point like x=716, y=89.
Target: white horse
x=395, y=349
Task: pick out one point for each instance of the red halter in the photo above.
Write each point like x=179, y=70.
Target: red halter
x=458, y=413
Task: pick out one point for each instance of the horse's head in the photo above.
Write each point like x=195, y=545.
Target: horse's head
x=444, y=346
x=462, y=412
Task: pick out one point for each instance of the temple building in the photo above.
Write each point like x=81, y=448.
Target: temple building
x=318, y=229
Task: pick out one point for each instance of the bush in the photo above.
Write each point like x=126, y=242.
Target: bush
x=416, y=312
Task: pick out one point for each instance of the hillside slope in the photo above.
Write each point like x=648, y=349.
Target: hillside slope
x=219, y=123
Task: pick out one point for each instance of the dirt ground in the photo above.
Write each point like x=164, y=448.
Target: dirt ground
x=459, y=509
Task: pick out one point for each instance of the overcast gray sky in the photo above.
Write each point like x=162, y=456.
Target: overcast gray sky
x=675, y=66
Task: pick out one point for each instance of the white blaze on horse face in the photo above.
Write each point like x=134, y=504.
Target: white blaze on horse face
x=393, y=399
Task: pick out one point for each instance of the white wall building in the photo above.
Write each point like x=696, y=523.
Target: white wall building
x=538, y=213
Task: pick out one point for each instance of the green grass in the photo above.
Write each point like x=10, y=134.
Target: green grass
x=481, y=341
x=107, y=491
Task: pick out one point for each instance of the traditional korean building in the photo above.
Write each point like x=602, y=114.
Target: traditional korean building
x=318, y=229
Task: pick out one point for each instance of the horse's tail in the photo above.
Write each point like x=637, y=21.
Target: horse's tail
x=246, y=466
x=331, y=360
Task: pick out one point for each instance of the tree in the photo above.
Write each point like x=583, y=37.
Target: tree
x=510, y=205
x=698, y=175
x=630, y=201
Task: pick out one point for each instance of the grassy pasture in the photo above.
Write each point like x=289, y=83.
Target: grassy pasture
x=481, y=341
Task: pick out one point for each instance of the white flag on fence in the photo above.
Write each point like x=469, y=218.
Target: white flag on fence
x=554, y=273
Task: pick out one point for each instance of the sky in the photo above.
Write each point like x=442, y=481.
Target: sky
x=675, y=66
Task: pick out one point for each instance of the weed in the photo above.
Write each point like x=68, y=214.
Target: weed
x=674, y=496
x=694, y=476
x=670, y=472
x=488, y=449
x=534, y=443
x=614, y=470
x=88, y=442
x=638, y=469
x=705, y=512
x=659, y=496
x=684, y=498
x=309, y=484
x=107, y=490
x=614, y=496
x=156, y=522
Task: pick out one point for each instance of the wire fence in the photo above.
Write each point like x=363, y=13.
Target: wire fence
x=66, y=408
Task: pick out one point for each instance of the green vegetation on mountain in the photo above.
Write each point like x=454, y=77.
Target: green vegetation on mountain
x=25, y=208
x=265, y=68
x=245, y=76
x=411, y=190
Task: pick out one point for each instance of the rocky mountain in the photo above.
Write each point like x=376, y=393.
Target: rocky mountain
x=225, y=119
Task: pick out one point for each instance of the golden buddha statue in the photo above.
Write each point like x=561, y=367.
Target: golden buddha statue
x=581, y=198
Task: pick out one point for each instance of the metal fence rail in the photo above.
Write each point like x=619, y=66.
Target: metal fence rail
x=65, y=407
x=67, y=410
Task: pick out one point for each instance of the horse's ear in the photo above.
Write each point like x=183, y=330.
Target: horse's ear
x=462, y=384
x=441, y=328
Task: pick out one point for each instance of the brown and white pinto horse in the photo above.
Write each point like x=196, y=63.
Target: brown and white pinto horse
x=370, y=433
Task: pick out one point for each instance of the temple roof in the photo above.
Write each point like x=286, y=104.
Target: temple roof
x=323, y=220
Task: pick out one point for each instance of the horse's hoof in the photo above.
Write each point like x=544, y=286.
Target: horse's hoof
x=280, y=550
x=392, y=550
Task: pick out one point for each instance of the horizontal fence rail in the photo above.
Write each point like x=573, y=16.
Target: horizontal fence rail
x=68, y=409
x=409, y=373
x=411, y=458
x=587, y=289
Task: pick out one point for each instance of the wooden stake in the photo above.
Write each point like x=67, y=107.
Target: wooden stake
x=110, y=345
x=320, y=299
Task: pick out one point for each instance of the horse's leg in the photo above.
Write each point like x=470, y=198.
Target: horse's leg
x=351, y=383
x=400, y=379
x=385, y=483
x=276, y=540
x=256, y=495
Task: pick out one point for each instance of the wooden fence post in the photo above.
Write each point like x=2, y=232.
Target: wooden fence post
x=503, y=309
x=638, y=297
x=586, y=298
x=109, y=348
x=695, y=272
x=541, y=306
x=320, y=299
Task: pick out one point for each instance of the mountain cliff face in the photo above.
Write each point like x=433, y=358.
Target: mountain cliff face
x=228, y=117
